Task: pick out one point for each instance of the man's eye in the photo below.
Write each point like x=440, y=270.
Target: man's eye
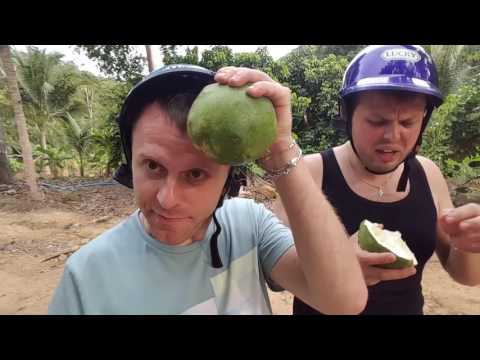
x=152, y=165
x=196, y=174
x=375, y=122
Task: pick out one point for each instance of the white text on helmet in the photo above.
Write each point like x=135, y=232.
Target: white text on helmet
x=401, y=54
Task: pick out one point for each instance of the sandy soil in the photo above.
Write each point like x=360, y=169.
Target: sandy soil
x=31, y=232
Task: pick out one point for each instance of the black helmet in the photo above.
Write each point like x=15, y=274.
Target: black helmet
x=168, y=80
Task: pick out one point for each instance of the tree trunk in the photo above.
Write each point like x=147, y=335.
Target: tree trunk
x=6, y=176
x=54, y=172
x=151, y=65
x=108, y=170
x=81, y=161
x=46, y=171
x=82, y=172
x=21, y=122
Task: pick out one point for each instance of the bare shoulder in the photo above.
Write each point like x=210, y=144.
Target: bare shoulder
x=436, y=180
x=314, y=163
x=431, y=169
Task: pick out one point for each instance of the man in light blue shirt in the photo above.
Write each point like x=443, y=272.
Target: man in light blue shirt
x=186, y=250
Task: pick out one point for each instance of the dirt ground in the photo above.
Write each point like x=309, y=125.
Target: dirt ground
x=33, y=232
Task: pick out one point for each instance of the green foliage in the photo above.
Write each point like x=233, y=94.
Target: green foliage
x=454, y=130
x=466, y=170
x=48, y=87
x=217, y=57
x=300, y=105
x=261, y=60
x=108, y=152
x=220, y=56
x=451, y=69
x=120, y=62
x=170, y=56
x=55, y=92
x=295, y=62
x=79, y=138
x=315, y=83
x=55, y=157
x=252, y=170
x=470, y=58
x=36, y=71
x=465, y=119
x=348, y=51
x=16, y=165
x=436, y=138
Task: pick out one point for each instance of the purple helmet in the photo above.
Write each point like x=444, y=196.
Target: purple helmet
x=392, y=67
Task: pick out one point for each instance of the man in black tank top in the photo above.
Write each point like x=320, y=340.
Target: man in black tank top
x=387, y=97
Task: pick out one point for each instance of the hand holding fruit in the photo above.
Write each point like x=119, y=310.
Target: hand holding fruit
x=380, y=263
x=263, y=85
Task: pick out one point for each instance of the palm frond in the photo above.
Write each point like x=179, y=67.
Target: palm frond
x=451, y=70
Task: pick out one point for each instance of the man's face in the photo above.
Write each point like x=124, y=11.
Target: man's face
x=385, y=128
x=176, y=186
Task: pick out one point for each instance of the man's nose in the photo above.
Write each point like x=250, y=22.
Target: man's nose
x=392, y=131
x=167, y=194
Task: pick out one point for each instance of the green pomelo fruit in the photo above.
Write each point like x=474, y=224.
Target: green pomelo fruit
x=230, y=126
x=372, y=238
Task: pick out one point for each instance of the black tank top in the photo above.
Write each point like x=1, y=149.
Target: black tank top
x=414, y=216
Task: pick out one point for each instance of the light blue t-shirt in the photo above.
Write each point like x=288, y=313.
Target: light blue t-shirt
x=126, y=271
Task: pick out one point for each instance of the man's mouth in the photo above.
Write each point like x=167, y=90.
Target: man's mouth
x=387, y=155
x=169, y=218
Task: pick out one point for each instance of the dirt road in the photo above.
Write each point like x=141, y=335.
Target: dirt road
x=32, y=232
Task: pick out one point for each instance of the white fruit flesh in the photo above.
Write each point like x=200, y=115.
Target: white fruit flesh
x=392, y=240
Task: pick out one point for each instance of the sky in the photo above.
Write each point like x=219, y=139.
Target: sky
x=84, y=63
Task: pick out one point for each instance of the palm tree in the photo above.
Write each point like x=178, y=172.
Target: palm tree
x=108, y=147
x=10, y=72
x=54, y=156
x=451, y=68
x=151, y=65
x=79, y=138
x=38, y=75
x=6, y=176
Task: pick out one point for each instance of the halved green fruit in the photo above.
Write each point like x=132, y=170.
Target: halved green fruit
x=372, y=238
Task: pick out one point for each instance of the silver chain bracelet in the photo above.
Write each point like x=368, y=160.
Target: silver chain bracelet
x=268, y=154
x=291, y=164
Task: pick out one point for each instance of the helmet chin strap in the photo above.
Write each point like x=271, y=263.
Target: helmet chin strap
x=216, y=260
